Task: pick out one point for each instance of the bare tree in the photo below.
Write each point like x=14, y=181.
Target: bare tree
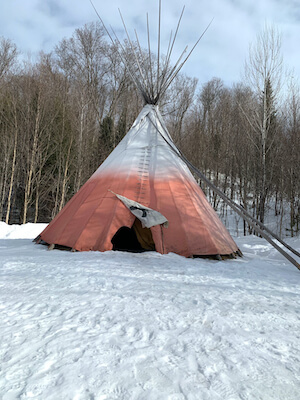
x=82, y=60
x=292, y=155
x=13, y=164
x=176, y=104
x=8, y=122
x=263, y=72
x=8, y=55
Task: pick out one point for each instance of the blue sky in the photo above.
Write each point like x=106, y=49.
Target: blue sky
x=35, y=25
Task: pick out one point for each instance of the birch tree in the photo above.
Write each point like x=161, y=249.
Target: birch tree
x=8, y=125
x=263, y=73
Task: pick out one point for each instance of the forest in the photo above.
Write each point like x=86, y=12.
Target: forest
x=61, y=116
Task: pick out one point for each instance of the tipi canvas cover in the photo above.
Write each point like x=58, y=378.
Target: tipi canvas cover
x=145, y=168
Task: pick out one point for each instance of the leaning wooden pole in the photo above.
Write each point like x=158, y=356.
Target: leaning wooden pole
x=259, y=228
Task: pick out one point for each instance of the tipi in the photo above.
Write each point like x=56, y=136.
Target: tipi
x=143, y=197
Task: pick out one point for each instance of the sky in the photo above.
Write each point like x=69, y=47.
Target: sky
x=40, y=25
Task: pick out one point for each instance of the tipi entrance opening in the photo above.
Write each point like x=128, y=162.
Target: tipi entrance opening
x=135, y=239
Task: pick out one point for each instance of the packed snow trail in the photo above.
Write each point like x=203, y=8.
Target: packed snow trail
x=115, y=325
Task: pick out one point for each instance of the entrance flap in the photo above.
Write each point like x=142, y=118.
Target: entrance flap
x=146, y=215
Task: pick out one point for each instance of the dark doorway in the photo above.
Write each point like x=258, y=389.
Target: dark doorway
x=135, y=239
x=125, y=240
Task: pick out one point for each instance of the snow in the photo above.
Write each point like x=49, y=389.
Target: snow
x=113, y=325
x=25, y=231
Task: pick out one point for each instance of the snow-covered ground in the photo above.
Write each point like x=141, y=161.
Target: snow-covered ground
x=115, y=325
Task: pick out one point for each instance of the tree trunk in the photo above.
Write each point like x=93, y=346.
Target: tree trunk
x=30, y=172
x=12, y=175
x=262, y=196
x=65, y=179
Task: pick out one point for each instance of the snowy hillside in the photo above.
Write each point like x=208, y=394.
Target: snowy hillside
x=114, y=325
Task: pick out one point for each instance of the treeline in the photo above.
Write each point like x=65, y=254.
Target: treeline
x=61, y=116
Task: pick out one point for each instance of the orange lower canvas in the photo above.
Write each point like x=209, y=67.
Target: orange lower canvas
x=94, y=214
